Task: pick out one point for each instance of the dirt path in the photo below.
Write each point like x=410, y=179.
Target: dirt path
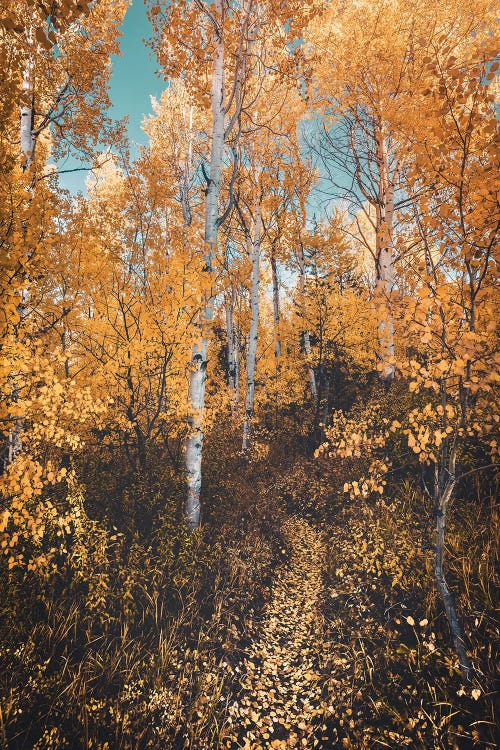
x=280, y=704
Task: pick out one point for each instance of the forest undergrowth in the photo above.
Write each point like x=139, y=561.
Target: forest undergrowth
x=293, y=618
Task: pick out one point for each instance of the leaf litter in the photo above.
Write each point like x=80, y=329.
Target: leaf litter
x=280, y=703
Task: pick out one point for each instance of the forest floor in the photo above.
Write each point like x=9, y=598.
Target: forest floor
x=280, y=704
x=350, y=649
x=295, y=618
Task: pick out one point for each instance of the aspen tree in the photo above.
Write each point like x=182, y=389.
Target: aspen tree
x=273, y=162
x=199, y=356
x=306, y=333
x=254, y=251
x=233, y=359
x=363, y=77
x=454, y=181
x=225, y=109
x=52, y=93
x=451, y=191
x=223, y=49
x=276, y=309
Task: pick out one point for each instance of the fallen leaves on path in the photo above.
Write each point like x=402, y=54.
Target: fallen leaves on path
x=280, y=704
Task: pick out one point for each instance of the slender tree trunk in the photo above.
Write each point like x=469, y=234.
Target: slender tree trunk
x=326, y=410
x=443, y=498
x=276, y=313
x=385, y=284
x=254, y=332
x=14, y=438
x=28, y=143
x=27, y=108
x=277, y=327
x=385, y=265
x=194, y=447
x=233, y=373
x=305, y=332
x=28, y=139
x=185, y=182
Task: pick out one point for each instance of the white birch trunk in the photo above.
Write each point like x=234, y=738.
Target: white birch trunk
x=28, y=143
x=194, y=446
x=254, y=331
x=28, y=138
x=14, y=438
x=276, y=313
x=305, y=333
x=277, y=321
x=186, y=174
x=232, y=352
x=385, y=265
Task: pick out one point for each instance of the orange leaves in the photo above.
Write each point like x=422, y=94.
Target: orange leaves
x=454, y=357
x=29, y=517
x=51, y=420
x=432, y=427
x=43, y=411
x=362, y=437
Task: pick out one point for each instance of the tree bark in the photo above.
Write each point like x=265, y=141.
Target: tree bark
x=385, y=263
x=277, y=328
x=194, y=447
x=28, y=143
x=276, y=313
x=306, y=337
x=185, y=181
x=233, y=369
x=254, y=330
x=457, y=632
x=27, y=108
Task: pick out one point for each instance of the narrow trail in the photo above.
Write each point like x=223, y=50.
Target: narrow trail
x=280, y=704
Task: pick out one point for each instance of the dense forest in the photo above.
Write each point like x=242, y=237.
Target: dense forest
x=249, y=378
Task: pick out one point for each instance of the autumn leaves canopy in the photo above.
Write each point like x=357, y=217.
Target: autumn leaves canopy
x=319, y=196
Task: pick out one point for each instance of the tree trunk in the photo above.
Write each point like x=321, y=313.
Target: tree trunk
x=277, y=330
x=276, y=313
x=233, y=369
x=28, y=143
x=254, y=330
x=185, y=182
x=28, y=138
x=385, y=264
x=305, y=333
x=194, y=447
x=326, y=408
x=457, y=632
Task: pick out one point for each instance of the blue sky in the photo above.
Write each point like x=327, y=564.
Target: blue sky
x=132, y=84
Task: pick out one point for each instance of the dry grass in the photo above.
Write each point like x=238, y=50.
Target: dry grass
x=138, y=641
